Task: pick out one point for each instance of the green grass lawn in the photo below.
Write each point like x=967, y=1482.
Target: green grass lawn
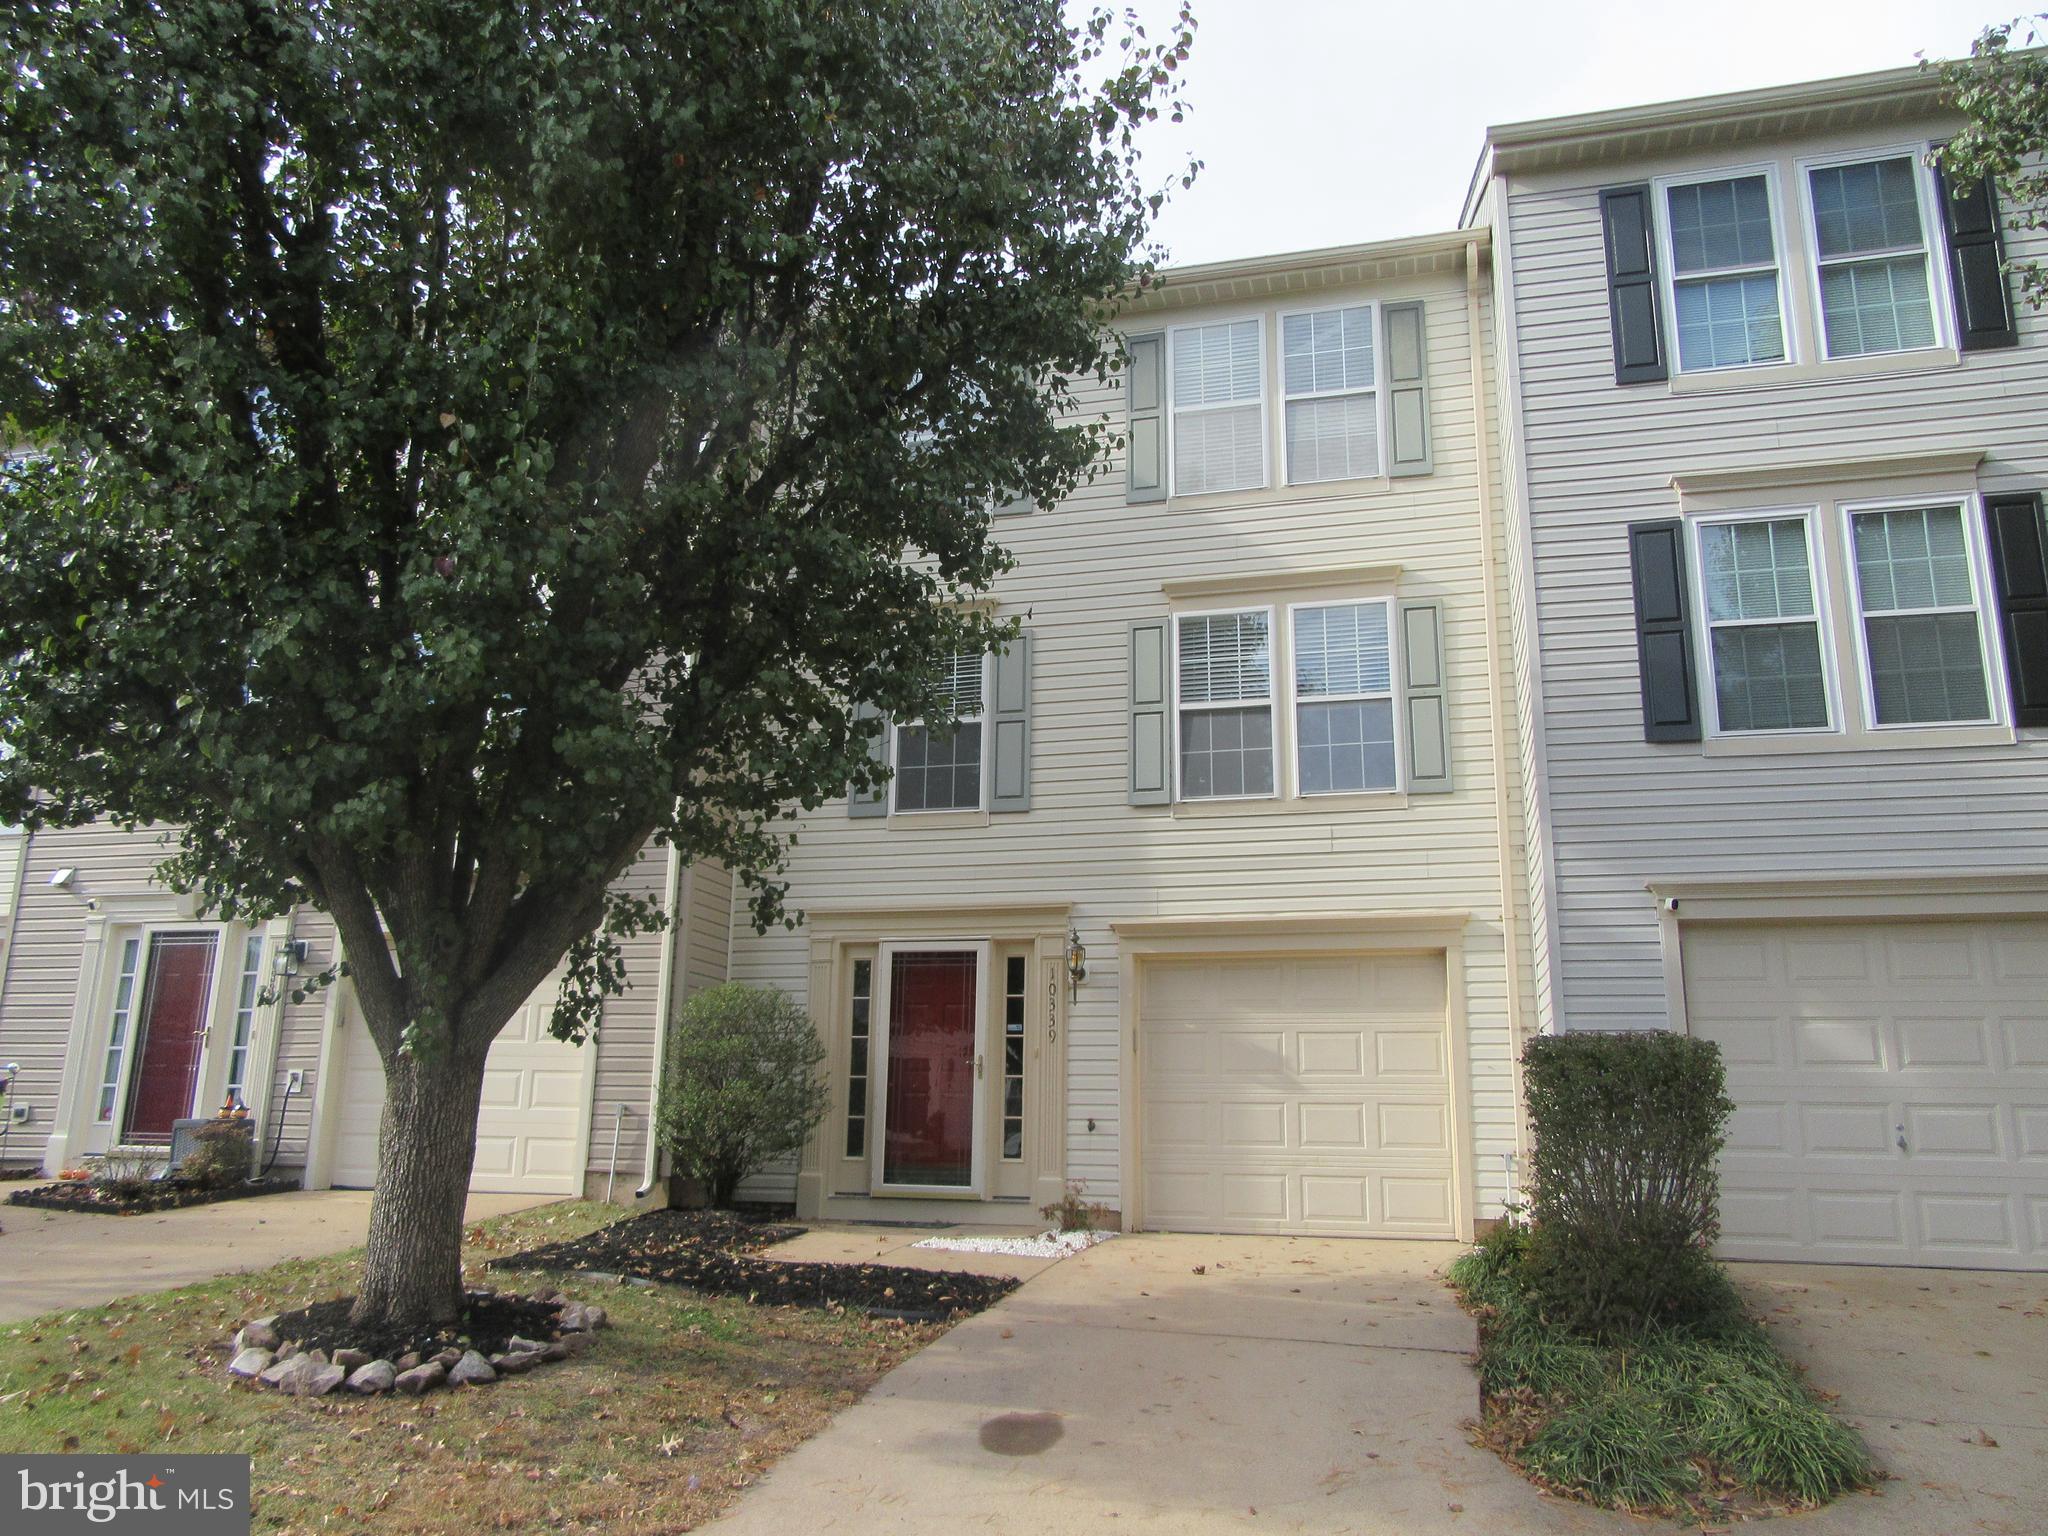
x=1708, y=1422
x=684, y=1401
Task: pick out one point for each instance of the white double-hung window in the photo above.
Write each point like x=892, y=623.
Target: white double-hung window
x=1343, y=697
x=1218, y=377
x=1330, y=400
x=1763, y=626
x=1725, y=296
x=1871, y=252
x=1223, y=689
x=1919, y=615
x=939, y=768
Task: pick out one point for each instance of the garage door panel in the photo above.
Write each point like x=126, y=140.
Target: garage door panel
x=532, y=1113
x=1317, y=1101
x=1833, y=1059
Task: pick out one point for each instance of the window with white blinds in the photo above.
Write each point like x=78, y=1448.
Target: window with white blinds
x=1223, y=667
x=1724, y=273
x=1870, y=240
x=1330, y=402
x=1916, y=593
x=1343, y=698
x=1219, y=406
x=1763, y=628
x=938, y=768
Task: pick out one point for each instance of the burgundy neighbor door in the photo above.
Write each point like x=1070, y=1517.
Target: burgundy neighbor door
x=928, y=1131
x=166, y=1070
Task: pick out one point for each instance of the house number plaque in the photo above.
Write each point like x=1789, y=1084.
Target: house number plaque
x=1052, y=1002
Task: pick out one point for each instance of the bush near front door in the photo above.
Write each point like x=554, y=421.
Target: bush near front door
x=743, y=1085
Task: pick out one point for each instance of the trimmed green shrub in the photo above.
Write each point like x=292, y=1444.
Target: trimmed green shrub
x=1624, y=1195
x=223, y=1154
x=743, y=1084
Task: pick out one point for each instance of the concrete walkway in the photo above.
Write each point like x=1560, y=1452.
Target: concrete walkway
x=1945, y=1374
x=1176, y=1384
x=60, y=1260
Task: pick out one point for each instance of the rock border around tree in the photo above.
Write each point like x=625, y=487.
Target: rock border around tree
x=263, y=1357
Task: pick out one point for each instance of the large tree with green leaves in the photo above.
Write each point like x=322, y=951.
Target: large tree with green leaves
x=479, y=436
x=2003, y=89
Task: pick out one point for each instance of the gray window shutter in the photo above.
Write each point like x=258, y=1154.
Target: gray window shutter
x=1151, y=756
x=1422, y=694
x=1145, y=419
x=1407, y=352
x=874, y=802
x=1632, y=285
x=1010, y=727
x=1656, y=557
x=1976, y=265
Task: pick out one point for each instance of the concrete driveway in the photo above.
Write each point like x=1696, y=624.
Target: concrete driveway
x=59, y=1260
x=1945, y=1373
x=1176, y=1384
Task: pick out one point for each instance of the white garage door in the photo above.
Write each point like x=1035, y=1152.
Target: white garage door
x=533, y=1132
x=1891, y=1084
x=1306, y=1095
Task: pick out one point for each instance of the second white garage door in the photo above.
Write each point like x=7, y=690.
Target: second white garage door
x=1296, y=1095
x=533, y=1131
x=1891, y=1089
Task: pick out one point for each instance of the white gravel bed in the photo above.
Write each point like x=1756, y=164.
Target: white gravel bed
x=1047, y=1245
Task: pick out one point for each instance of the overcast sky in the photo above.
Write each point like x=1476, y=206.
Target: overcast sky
x=1324, y=122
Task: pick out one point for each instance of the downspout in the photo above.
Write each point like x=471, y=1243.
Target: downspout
x=1489, y=586
x=664, y=995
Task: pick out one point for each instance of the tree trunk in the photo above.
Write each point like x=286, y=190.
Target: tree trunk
x=412, y=1275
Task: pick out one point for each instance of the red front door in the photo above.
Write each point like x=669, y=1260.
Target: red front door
x=928, y=1132
x=174, y=1004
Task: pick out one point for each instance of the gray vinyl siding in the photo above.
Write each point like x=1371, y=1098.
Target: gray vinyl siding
x=1084, y=570
x=625, y=1038
x=707, y=953
x=1601, y=456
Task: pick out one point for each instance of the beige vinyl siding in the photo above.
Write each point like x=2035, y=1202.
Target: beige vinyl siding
x=43, y=959
x=299, y=1026
x=625, y=1038
x=707, y=950
x=1084, y=570
x=1599, y=457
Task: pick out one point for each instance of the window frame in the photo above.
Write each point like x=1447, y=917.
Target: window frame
x=1378, y=391
x=1808, y=515
x=1180, y=795
x=1661, y=188
x=1938, y=297
x=1396, y=671
x=981, y=782
x=1262, y=320
x=1989, y=645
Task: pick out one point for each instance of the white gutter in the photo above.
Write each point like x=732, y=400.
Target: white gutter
x=677, y=908
x=1489, y=586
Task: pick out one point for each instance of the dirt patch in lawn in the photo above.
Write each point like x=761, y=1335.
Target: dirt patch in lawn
x=680, y=1405
x=704, y=1250
x=488, y=1324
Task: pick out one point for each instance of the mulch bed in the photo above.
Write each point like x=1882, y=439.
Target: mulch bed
x=707, y=1251
x=83, y=1195
x=488, y=1323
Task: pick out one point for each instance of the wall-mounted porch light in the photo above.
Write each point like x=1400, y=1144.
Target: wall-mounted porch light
x=290, y=955
x=1077, y=962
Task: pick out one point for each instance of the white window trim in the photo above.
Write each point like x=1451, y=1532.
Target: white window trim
x=1938, y=296
x=1273, y=658
x=1396, y=670
x=982, y=773
x=1667, y=265
x=879, y=1006
x=1264, y=402
x=1704, y=627
x=1378, y=391
x=1989, y=645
